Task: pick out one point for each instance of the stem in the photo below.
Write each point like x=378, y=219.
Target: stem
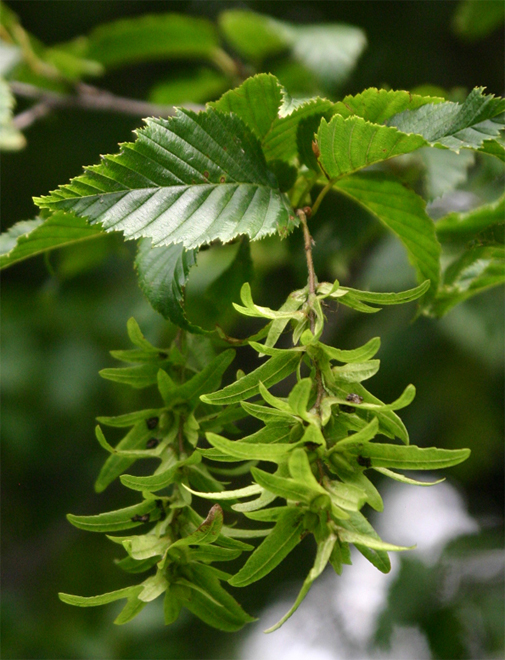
x=309, y=241
x=87, y=98
x=322, y=195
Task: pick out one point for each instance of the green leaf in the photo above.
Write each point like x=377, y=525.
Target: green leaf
x=289, y=489
x=379, y=105
x=299, y=396
x=172, y=605
x=403, y=212
x=324, y=551
x=478, y=269
x=367, y=433
x=11, y=139
x=159, y=480
x=138, y=377
x=207, y=532
x=212, y=553
x=206, y=380
x=360, y=354
x=135, y=566
x=389, y=298
x=103, y=599
x=266, y=414
x=163, y=273
x=406, y=480
x=248, y=451
x=263, y=500
x=256, y=102
x=212, y=603
x=194, y=86
x=348, y=145
x=356, y=371
x=115, y=465
x=153, y=587
x=463, y=227
x=278, y=544
x=250, y=309
x=358, y=479
x=406, y=457
x=274, y=370
x=165, y=187
x=455, y=126
x=130, y=419
x=389, y=422
x=114, y=521
x=142, y=547
x=301, y=471
x=133, y=607
x=402, y=401
x=346, y=496
x=152, y=37
x=254, y=489
x=294, y=301
x=280, y=143
x=358, y=523
x=31, y=237
x=369, y=541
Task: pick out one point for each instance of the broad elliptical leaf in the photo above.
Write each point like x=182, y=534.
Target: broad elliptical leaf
x=190, y=179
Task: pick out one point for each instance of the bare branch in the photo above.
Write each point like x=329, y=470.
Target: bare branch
x=88, y=98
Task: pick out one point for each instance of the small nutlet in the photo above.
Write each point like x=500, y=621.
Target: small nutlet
x=152, y=422
x=308, y=211
x=315, y=149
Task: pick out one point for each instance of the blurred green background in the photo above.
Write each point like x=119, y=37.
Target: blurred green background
x=60, y=319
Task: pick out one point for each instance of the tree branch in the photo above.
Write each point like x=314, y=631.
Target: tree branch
x=87, y=97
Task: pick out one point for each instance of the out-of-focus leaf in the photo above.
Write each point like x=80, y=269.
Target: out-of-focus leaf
x=152, y=37
x=31, y=237
x=11, y=139
x=255, y=36
x=475, y=19
x=445, y=170
x=163, y=273
x=165, y=187
x=195, y=86
x=329, y=51
x=478, y=269
x=464, y=227
x=403, y=212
